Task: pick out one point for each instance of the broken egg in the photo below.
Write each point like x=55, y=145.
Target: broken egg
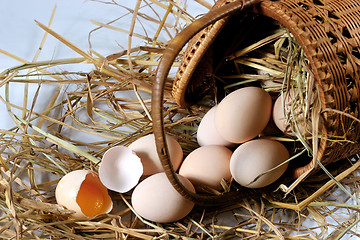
x=120, y=169
x=157, y=200
x=145, y=148
x=82, y=192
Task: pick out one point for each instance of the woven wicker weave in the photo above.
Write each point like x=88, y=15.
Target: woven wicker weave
x=329, y=33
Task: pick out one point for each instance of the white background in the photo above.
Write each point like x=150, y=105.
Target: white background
x=21, y=36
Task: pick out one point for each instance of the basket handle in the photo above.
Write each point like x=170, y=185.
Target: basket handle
x=170, y=53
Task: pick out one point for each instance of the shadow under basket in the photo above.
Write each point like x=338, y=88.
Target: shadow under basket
x=328, y=31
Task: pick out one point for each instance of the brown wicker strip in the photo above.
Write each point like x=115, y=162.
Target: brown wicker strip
x=197, y=63
x=328, y=44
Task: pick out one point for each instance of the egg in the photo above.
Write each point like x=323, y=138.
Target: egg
x=145, y=148
x=255, y=157
x=243, y=114
x=285, y=108
x=207, y=133
x=155, y=199
x=82, y=192
x=207, y=165
x=120, y=169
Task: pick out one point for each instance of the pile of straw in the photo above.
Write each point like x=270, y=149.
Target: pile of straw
x=111, y=106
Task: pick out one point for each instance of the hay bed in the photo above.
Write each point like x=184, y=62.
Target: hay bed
x=111, y=105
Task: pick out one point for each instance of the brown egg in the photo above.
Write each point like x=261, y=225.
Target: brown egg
x=207, y=165
x=255, y=157
x=145, y=148
x=243, y=114
x=207, y=133
x=157, y=200
x=287, y=108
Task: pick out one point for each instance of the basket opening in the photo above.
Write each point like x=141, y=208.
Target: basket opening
x=253, y=50
x=318, y=64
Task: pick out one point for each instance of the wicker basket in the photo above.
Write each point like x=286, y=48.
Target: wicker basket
x=328, y=32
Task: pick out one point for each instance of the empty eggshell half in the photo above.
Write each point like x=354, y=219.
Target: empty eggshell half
x=157, y=200
x=82, y=192
x=145, y=148
x=120, y=169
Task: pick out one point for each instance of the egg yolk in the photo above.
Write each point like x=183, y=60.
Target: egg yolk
x=92, y=197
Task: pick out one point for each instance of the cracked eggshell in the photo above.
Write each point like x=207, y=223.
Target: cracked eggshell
x=157, y=200
x=145, y=148
x=82, y=192
x=120, y=169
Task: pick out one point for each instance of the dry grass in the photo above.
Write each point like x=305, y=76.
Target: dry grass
x=111, y=106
